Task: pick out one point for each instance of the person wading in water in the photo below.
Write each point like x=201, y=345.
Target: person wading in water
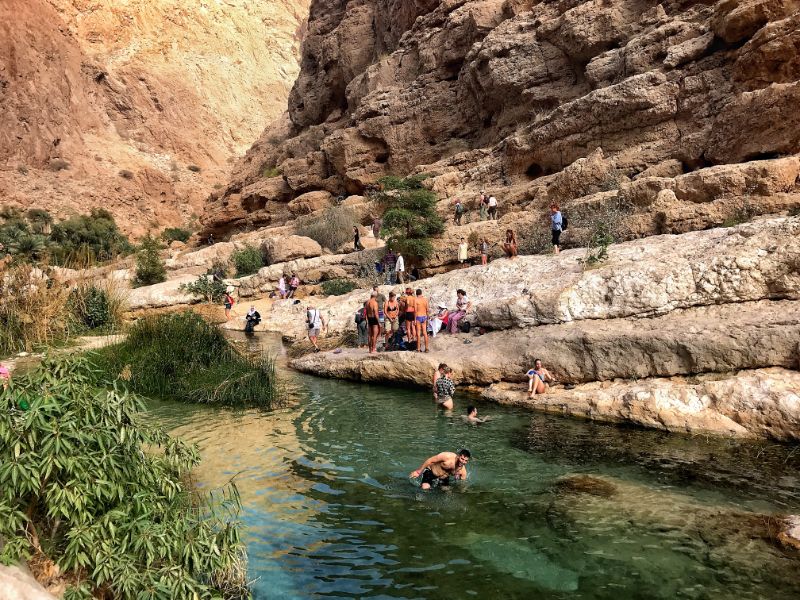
x=442, y=468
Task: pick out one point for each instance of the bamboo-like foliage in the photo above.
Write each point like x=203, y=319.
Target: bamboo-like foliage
x=85, y=482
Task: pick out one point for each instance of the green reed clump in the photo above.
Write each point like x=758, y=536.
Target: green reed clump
x=181, y=356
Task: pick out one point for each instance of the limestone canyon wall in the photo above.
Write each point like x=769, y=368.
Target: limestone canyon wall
x=577, y=101
x=107, y=103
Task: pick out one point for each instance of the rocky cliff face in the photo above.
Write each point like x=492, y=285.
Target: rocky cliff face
x=579, y=101
x=109, y=104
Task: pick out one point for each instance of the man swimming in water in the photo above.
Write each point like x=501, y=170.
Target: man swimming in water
x=472, y=416
x=440, y=469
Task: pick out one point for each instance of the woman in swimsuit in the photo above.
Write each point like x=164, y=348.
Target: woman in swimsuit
x=538, y=378
x=510, y=245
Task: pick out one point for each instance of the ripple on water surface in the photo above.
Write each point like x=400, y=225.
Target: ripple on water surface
x=553, y=508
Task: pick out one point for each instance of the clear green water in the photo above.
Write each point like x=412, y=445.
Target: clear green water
x=331, y=513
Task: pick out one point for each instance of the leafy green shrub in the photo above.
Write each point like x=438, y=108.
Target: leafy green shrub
x=95, y=306
x=410, y=218
x=247, y=261
x=173, y=234
x=40, y=220
x=150, y=268
x=206, y=287
x=180, y=356
x=338, y=287
x=94, y=236
x=330, y=229
x=90, y=484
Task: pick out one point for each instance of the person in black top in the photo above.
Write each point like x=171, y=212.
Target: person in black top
x=253, y=318
x=357, y=245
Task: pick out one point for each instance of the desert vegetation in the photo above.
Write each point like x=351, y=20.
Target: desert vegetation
x=183, y=357
x=88, y=485
x=330, y=229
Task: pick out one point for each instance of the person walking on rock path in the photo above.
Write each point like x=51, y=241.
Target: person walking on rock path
x=357, y=245
x=556, y=223
x=459, y=212
x=315, y=324
x=484, y=251
x=462, y=307
x=492, y=207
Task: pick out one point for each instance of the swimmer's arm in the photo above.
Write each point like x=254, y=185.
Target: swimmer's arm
x=461, y=475
x=432, y=460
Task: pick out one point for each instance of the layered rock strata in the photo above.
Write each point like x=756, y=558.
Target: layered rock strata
x=539, y=102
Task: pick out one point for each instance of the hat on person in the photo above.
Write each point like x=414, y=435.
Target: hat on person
x=229, y=289
x=441, y=306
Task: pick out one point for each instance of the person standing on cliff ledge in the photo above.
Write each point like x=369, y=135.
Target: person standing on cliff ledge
x=400, y=268
x=373, y=321
x=556, y=223
x=483, y=205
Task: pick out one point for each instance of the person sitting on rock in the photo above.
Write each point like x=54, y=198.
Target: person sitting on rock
x=462, y=307
x=538, y=377
x=442, y=468
x=510, y=245
x=294, y=283
x=440, y=319
x=253, y=318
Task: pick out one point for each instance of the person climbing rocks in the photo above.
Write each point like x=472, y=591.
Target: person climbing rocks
x=443, y=468
x=538, y=377
x=459, y=212
x=357, y=245
x=483, y=205
x=510, y=245
x=492, y=205
x=556, y=223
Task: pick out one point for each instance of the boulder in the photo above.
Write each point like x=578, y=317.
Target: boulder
x=285, y=248
x=310, y=202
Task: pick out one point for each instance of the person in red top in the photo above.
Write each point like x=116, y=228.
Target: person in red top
x=229, y=302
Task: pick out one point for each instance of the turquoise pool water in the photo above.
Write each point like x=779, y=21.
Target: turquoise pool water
x=553, y=508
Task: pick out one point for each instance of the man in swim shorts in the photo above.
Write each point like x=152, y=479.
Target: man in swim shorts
x=443, y=468
x=421, y=305
x=411, y=315
x=373, y=322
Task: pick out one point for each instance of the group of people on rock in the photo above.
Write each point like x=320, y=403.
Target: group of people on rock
x=406, y=320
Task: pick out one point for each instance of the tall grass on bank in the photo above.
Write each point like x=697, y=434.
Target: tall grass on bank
x=181, y=356
x=38, y=308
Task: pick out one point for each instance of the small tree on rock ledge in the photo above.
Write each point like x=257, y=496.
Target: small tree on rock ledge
x=410, y=216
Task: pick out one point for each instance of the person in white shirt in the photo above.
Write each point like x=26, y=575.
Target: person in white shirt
x=492, y=207
x=315, y=323
x=400, y=268
x=463, y=250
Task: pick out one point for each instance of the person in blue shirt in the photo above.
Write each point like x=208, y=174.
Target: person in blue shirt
x=555, y=226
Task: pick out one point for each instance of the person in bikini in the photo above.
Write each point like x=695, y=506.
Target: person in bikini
x=411, y=315
x=391, y=321
x=373, y=322
x=421, y=305
x=538, y=377
x=443, y=468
